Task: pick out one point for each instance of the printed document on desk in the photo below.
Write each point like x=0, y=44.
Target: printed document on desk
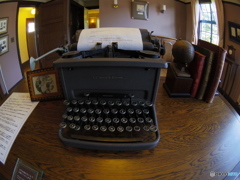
x=13, y=114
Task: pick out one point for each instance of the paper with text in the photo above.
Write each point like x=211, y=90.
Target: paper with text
x=127, y=38
x=13, y=114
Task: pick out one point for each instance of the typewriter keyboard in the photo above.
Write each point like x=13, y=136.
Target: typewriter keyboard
x=109, y=120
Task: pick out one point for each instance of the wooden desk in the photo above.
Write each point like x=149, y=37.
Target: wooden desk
x=196, y=138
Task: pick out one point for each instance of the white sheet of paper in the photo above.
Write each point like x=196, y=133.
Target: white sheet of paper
x=127, y=38
x=13, y=114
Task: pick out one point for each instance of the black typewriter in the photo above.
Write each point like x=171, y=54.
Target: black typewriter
x=110, y=100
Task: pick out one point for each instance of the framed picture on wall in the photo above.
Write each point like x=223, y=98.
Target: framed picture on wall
x=3, y=45
x=3, y=25
x=140, y=10
x=44, y=84
x=234, y=32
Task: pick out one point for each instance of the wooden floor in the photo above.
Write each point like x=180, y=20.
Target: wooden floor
x=196, y=138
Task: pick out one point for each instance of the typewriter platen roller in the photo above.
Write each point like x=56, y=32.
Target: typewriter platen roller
x=110, y=102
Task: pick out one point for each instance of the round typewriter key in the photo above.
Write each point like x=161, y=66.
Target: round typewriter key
x=77, y=128
x=141, y=103
x=88, y=102
x=120, y=129
x=134, y=103
x=129, y=128
x=83, y=110
x=149, y=120
x=153, y=128
x=87, y=127
x=86, y=94
x=95, y=127
x=138, y=111
x=111, y=128
x=106, y=111
x=103, y=128
x=114, y=111
x=98, y=111
x=146, y=128
x=76, y=118
x=76, y=109
x=84, y=118
x=80, y=102
x=70, y=118
x=66, y=102
x=110, y=103
x=124, y=120
x=94, y=102
x=72, y=126
x=140, y=120
x=126, y=103
x=92, y=119
x=116, y=120
x=108, y=120
x=118, y=103
x=63, y=125
x=100, y=119
x=74, y=101
x=145, y=111
x=90, y=111
x=122, y=111
x=137, y=128
x=130, y=111
x=64, y=116
x=103, y=102
x=132, y=120
x=69, y=109
x=149, y=104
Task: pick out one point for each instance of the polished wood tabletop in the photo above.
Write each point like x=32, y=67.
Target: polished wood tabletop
x=196, y=138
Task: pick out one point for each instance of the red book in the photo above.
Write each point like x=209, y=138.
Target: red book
x=196, y=68
x=216, y=71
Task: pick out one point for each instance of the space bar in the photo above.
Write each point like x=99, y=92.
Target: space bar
x=105, y=139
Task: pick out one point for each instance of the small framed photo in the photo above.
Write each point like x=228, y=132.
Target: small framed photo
x=44, y=84
x=3, y=25
x=3, y=45
x=234, y=32
x=140, y=10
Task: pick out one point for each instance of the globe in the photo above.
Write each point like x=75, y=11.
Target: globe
x=183, y=52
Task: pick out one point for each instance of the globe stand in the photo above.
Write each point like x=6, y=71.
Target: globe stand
x=181, y=69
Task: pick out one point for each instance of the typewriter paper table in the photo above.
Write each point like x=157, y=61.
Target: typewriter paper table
x=192, y=145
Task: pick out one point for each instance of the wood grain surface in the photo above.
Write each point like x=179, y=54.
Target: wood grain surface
x=196, y=138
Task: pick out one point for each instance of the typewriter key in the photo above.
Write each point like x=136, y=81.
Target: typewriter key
x=130, y=111
x=110, y=103
x=94, y=102
x=137, y=128
x=145, y=111
x=108, y=120
x=132, y=120
x=146, y=128
x=74, y=102
x=86, y=94
x=84, y=118
x=88, y=102
x=134, y=103
x=103, y=102
x=87, y=127
x=83, y=110
x=106, y=111
x=138, y=111
x=80, y=102
x=149, y=120
x=116, y=120
x=124, y=120
x=126, y=103
x=120, y=129
x=92, y=119
x=76, y=109
x=76, y=118
x=153, y=128
x=140, y=120
x=111, y=128
x=64, y=116
x=63, y=125
x=100, y=119
x=72, y=126
x=114, y=111
x=103, y=128
x=70, y=118
x=118, y=103
x=98, y=111
x=77, y=128
x=66, y=102
x=141, y=103
x=95, y=127
x=122, y=111
x=69, y=109
x=90, y=111
x=129, y=128
x=149, y=104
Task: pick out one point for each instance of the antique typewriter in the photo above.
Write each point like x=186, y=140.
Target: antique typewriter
x=110, y=95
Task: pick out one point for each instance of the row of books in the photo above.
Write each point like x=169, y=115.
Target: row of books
x=206, y=70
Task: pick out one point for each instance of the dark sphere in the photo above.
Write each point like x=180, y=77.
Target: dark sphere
x=183, y=52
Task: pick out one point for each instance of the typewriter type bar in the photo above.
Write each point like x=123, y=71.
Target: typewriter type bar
x=110, y=103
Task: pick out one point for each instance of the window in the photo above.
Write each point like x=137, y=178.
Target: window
x=208, y=29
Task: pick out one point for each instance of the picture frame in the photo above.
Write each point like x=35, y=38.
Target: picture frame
x=3, y=44
x=140, y=10
x=234, y=32
x=44, y=84
x=3, y=25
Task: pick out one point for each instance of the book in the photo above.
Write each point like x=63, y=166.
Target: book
x=206, y=69
x=217, y=69
x=196, y=68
